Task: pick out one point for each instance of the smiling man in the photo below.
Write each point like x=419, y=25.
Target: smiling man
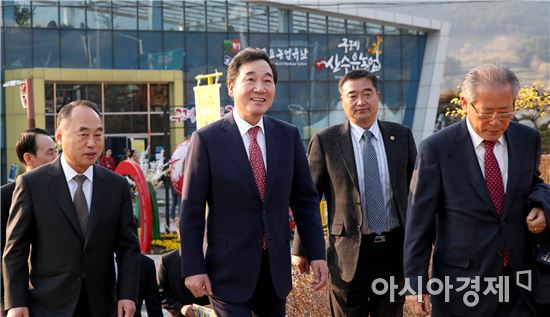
x=249, y=168
x=70, y=217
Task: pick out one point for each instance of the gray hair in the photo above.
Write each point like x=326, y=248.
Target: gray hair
x=488, y=74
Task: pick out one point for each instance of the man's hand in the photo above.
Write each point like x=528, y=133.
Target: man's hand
x=536, y=221
x=300, y=264
x=126, y=308
x=423, y=308
x=320, y=274
x=18, y=312
x=188, y=311
x=199, y=285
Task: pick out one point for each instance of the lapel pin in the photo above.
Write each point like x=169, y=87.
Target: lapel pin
x=392, y=137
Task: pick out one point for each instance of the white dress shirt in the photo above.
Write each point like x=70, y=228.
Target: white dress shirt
x=87, y=187
x=243, y=130
x=500, y=150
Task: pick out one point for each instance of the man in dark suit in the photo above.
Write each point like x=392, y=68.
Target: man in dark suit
x=75, y=216
x=34, y=148
x=360, y=252
x=469, y=199
x=148, y=289
x=249, y=168
x=176, y=298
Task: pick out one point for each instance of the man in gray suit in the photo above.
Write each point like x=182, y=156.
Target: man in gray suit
x=363, y=168
x=76, y=216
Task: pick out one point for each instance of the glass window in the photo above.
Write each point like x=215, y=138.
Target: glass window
x=194, y=16
x=411, y=68
x=374, y=28
x=301, y=120
x=299, y=57
x=99, y=14
x=299, y=22
x=282, y=97
x=333, y=96
x=72, y=15
x=174, y=50
x=257, y=18
x=135, y=123
x=149, y=15
x=101, y=49
x=124, y=15
x=159, y=96
x=258, y=40
x=150, y=53
x=196, y=55
x=127, y=47
x=281, y=115
x=172, y=15
x=392, y=108
x=318, y=120
x=237, y=17
x=68, y=92
x=46, y=48
x=410, y=91
x=278, y=43
x=336, y=117
x=216, y=16
x=125, y=98
x=319, y=95
x=299, y=96
x=189, y=95
x=392, y=57
x=336, y=25
x=45, y=14
x=48, y=96
x=318, y=54
x=421, y=48
x=278, y=20
x=216, y=51
x=18, y=54
x=74, y=49
x=391, y=30
x=317, y=23
x=354, y=27
x=17, y=13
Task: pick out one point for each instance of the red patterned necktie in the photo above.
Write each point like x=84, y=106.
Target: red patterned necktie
x=258, y=169
x=495, y=185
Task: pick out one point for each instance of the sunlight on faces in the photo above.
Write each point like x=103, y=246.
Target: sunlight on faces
x=45, y=152
x=491, y=99
x=360, y=101
x=81, y=138
x=253, y=90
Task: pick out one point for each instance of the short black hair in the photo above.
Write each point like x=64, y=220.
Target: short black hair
x=358, y=74
x=247, y=55
x=66, y=111
x=27, y=143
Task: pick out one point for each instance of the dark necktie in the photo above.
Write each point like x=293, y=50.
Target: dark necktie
x=376, y=211
x=495, y=185
x=80, y=203
x=258, y=169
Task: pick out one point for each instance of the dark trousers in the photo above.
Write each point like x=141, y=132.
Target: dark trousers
x=379, y=257
x=263, y=303
x=83, y=306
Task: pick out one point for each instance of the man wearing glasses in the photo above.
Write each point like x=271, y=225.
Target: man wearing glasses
x=468, y=198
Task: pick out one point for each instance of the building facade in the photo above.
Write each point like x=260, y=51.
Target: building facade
x=138, y=61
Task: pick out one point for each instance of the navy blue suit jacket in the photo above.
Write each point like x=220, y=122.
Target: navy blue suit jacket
x=449, y=195
x=217, y=172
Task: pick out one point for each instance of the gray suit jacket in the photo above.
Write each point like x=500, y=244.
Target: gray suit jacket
x=43, y=215
x=333, y=168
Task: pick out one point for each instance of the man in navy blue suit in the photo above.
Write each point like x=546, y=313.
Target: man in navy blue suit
x=249, y=168
x=468, y=198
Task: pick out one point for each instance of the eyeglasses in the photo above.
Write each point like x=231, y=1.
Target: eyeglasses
x=494, y=115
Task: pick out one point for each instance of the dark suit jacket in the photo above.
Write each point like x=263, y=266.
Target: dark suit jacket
x=333, y=168
x=173, y=292
x=148, y=289
x=540, y=197
x=448, y=192
x=217, y=172
x=6, y=192
x=43, y=215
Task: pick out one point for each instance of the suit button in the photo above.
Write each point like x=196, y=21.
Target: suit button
x=358, y=228
x=358, y=202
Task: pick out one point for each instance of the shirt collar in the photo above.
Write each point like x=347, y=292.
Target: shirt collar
x=357, y=131
x=70, y=173
x=476, y=139
x=245, y=126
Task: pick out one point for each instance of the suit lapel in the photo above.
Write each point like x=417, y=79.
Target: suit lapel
x=343, y=143
x=60, y=191
x=272, y=149
x=100, y=190
x=233, y=142
x=467, y=158
x=390, y=145
x=514, y=166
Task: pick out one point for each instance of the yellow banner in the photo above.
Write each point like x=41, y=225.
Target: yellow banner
x=207, y=104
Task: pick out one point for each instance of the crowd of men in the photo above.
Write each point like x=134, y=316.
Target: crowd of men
x=472, y=196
